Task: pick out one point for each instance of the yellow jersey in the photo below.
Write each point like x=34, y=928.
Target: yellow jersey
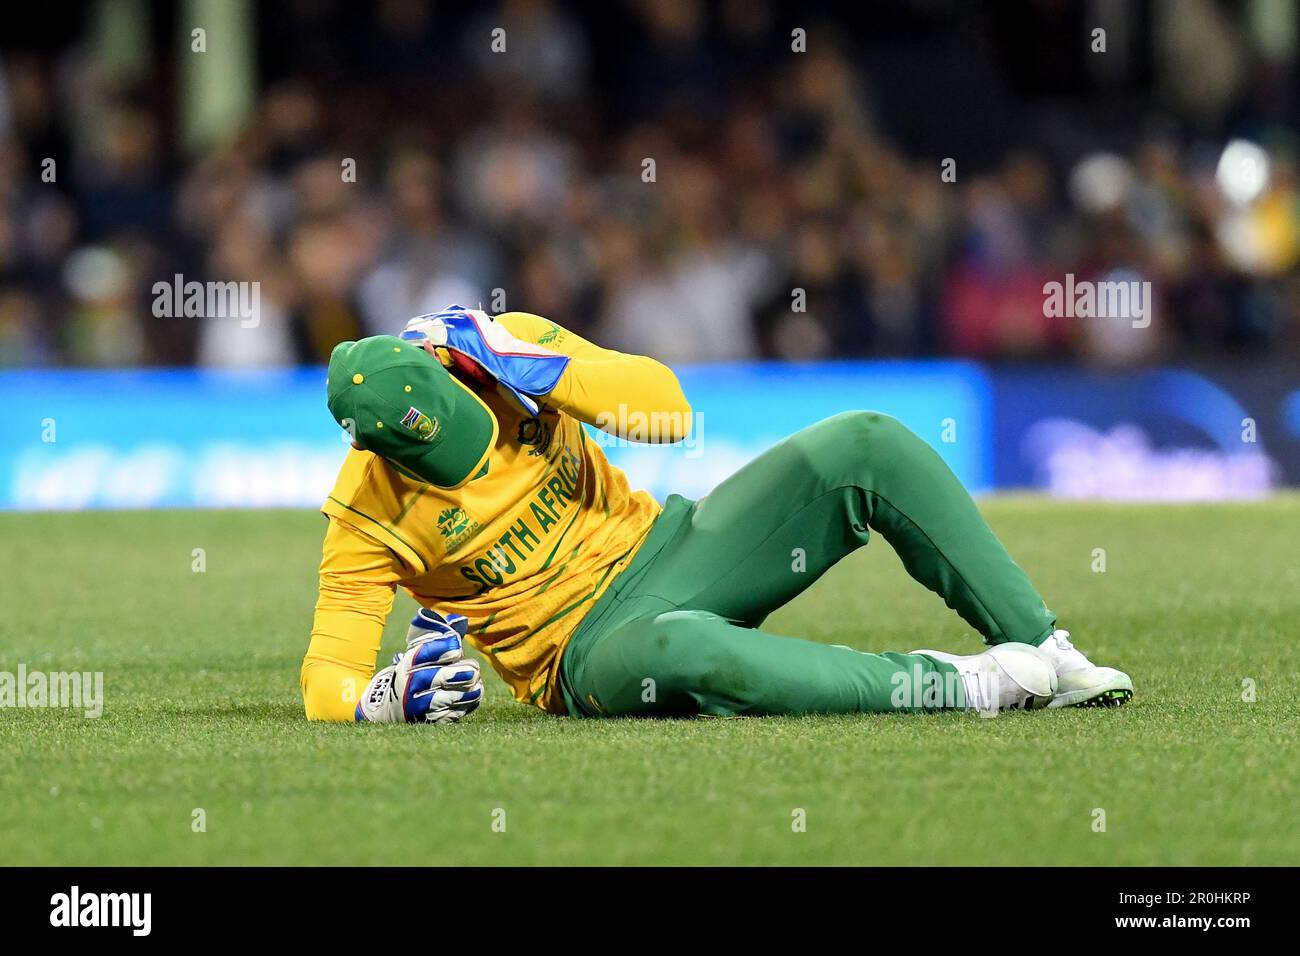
x=523, y=551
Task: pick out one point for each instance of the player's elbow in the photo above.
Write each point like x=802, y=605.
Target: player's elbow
x=678, y=417
x=674, y=414
x=655, y=412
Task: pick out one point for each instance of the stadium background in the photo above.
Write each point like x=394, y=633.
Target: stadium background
x=516, y=181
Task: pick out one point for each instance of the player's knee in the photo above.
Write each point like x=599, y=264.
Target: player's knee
x=677, y=647
x=863, y=440
x=658, y=665
x=690, y=646
x=871, y=427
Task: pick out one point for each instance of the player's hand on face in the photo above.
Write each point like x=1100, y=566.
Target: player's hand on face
x=432, y=681
x=483, y=350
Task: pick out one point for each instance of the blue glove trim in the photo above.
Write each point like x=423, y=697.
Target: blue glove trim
x=430, y=620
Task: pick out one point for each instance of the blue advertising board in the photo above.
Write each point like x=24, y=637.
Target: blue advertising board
x=204, y=439
x=1151, y=434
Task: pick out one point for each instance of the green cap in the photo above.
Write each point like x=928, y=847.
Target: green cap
x=398, y=402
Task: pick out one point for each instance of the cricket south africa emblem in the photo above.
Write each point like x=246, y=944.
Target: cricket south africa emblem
x=425, y=427
x=457, y=527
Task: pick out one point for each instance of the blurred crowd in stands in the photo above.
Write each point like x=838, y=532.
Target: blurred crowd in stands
x=780, y=217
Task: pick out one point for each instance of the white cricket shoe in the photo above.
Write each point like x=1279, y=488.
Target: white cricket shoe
x=1005, y=677
x=1080, y=682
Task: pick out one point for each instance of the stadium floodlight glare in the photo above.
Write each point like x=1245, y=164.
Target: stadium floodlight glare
x=1100, y=181
x=1243, y=172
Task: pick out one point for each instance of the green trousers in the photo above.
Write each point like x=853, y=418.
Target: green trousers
x=676, y=632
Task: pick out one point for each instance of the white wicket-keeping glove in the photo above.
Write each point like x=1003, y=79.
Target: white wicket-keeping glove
x=432, y=681
x=485, y=350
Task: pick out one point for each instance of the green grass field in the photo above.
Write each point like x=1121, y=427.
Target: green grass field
x=202, y=711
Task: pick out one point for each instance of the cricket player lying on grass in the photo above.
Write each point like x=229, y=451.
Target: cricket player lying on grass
x=473, y=485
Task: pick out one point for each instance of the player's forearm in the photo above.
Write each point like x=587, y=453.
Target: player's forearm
x=330, y=690
x=346, y=630
x=340, y=657
x=631, y=396
x=356, y=594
